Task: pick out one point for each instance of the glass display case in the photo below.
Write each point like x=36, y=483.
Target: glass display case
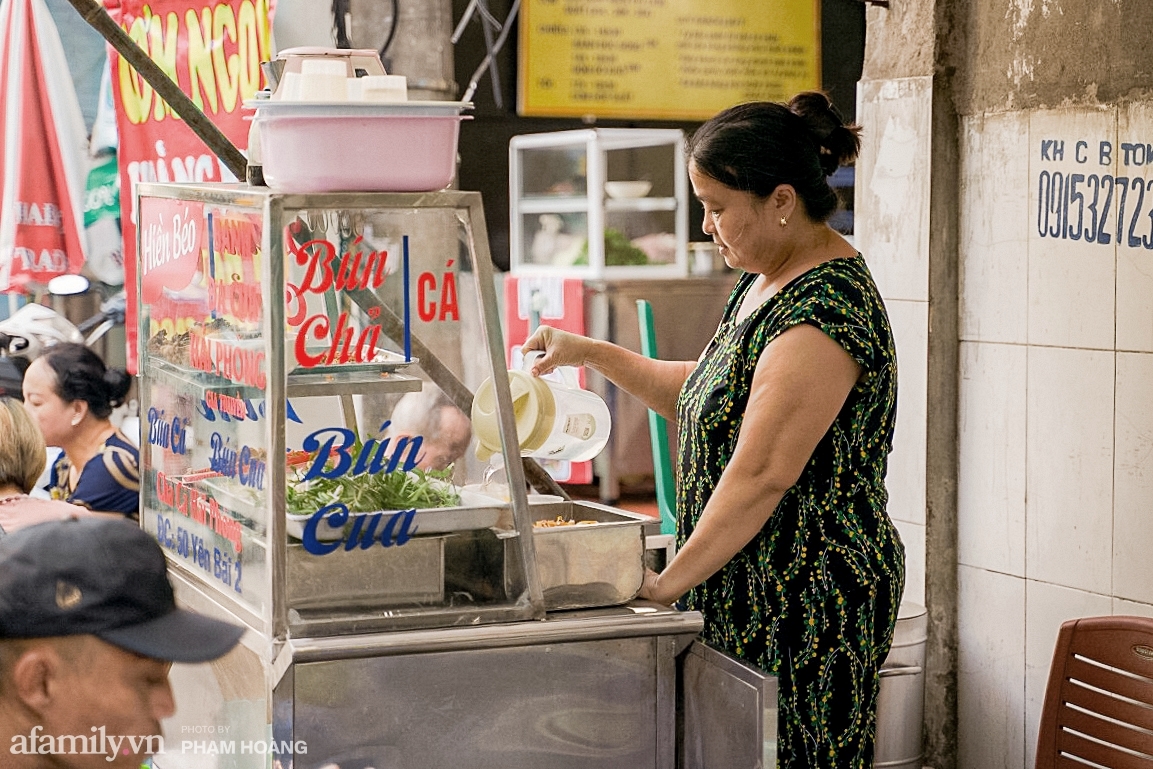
x=279, y=347
x=599, y=203
x=307, y=371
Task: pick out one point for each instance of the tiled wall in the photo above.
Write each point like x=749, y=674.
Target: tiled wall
x=892, y=232
x=1055, y=484
x=1055, y=465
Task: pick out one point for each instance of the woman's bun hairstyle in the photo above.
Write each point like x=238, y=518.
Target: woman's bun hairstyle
x=837, y=143
x=758, y=146
x=82, y=376
x=119, y=383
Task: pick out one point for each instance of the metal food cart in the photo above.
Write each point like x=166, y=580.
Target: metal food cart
x=287, y=326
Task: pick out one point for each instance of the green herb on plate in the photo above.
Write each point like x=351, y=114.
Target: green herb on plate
x=367, y=493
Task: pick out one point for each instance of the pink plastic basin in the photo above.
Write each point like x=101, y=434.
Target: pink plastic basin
x=350, y=153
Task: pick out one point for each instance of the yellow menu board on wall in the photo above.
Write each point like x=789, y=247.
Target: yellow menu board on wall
x=663, y=59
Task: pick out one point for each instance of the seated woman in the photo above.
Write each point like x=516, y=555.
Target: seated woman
x=71, y=394
x=22, y=460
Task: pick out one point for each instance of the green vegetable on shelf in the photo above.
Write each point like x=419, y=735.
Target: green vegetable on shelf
x=619, y=251
x=368, y=492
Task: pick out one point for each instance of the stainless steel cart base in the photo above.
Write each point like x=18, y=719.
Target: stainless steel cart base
x=730, y=712
x=593, y=688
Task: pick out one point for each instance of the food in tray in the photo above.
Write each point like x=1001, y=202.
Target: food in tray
x=332, y=506
x=298, y=457
x=560, y=520
x=235, y=336
x=173, y=348
x=177, y=348
x=315, y=360
x=198, y=475
x=386, y=356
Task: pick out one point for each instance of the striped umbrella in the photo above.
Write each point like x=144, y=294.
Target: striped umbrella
x=43, y=156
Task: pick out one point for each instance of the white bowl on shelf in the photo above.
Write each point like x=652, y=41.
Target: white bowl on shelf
x=627, y=190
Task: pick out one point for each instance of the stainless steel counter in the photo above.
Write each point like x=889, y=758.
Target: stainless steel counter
x=577, y=701
x=443, y=653
x=579, y=689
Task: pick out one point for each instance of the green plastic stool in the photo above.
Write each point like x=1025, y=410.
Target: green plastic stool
x=658, y=431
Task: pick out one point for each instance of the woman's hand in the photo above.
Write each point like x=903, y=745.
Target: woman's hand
x=656, y=382
x=651, y=589
x=560, y=348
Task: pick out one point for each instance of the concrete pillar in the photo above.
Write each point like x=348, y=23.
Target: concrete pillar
x=1056, y=344
x=1019, y=478
x=906, y=224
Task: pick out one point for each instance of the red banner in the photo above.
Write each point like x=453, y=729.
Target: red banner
x=213, y=51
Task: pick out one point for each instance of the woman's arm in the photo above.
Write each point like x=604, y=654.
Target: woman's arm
x=657, y=383
x=801, y=383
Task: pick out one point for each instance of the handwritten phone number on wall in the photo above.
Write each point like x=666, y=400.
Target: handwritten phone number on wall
x=1096, y=209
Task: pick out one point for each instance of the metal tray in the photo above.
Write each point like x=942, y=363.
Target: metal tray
x=580, y=567
x=205, y=379
x=388, y=361
x=246, y=506
x=590, y=565
x=480, y=512
x=378, y=576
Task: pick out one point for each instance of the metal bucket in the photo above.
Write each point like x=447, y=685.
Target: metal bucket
x=901, y=702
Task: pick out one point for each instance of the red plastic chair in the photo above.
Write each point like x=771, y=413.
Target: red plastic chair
x=1098, y=707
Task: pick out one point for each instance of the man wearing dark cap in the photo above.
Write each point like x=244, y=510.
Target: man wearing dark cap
x=88, y=631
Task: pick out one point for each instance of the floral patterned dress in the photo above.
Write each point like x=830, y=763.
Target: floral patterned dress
x=813, y=598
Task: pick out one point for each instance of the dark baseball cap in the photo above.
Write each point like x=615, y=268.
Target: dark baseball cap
x=103, y=577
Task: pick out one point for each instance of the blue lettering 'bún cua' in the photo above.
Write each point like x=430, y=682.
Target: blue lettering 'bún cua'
x=338, y=445
x=398, y=527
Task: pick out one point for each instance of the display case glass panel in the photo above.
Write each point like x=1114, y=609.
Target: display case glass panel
x=555, y=172
x=308, y=374
x=205, y=479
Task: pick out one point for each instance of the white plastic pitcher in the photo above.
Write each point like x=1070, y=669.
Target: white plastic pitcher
x=555, y=418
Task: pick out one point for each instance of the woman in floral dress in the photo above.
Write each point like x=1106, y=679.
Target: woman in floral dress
x=785, y=425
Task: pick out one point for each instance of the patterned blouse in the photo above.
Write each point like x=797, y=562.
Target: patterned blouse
x=109, y=482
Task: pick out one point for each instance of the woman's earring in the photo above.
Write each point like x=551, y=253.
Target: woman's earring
x=784, y=222
x=75, y=421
